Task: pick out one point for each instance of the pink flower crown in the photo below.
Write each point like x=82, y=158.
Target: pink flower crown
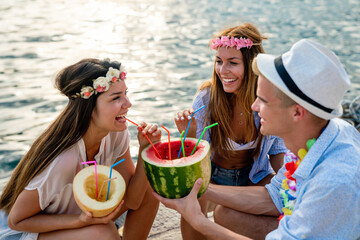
x=225, y=41
x=102, y=84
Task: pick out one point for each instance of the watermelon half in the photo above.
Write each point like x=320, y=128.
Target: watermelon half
x=175, y=178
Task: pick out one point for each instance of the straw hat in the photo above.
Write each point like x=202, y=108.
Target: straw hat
x=311, y=75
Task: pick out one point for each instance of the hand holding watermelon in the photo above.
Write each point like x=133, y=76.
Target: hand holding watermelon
x=151, y=130
x=182, y=119
x=188, y=206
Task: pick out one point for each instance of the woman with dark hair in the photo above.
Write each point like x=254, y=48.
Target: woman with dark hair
x=240, y=155
x=38, y=201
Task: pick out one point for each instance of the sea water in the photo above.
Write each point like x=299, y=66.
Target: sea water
x=162, y=43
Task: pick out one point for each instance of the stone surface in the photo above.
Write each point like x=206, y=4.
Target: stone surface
x=351, y=112
x=166, y=225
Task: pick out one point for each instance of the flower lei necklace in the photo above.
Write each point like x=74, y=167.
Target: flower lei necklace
x=288, y=186
x=102, y=84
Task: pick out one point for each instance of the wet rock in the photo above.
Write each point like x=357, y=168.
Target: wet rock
x=346, y=104
x=349, y=121
x=354, y=108
x=351, y=112
x=346, y=108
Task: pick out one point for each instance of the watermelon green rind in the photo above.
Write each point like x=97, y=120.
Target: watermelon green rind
x=175, y=178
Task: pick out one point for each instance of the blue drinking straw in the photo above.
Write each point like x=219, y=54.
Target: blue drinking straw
x=202, y=135
x=188, y=128
x=107, y=196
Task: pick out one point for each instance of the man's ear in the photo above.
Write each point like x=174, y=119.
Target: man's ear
x=298, y=112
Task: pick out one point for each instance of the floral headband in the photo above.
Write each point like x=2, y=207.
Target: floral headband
x=225, y=41
x=102, y=84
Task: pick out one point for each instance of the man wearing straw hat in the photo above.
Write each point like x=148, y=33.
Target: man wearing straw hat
x=316, y=193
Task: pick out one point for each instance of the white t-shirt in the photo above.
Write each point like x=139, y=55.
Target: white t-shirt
x=54, y=184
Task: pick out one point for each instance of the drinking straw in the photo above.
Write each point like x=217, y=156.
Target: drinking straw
x=182, y=143
x=146, y=137
x=102, y=185
x=168, y=141
x=107, y=195
x=202, y=136
x=187, y=128
x=96, y=180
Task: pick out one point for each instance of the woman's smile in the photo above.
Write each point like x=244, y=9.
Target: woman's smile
x=228, y=81
x=121, y=118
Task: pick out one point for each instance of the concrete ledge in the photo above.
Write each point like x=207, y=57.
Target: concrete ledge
x=166, y=225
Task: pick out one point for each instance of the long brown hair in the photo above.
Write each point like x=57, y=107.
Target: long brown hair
x=220, y=108
x=66, y=130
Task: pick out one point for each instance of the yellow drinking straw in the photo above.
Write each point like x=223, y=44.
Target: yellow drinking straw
x=102, y=185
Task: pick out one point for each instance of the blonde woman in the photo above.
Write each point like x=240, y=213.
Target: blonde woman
x=38, y=202
x=240, y=155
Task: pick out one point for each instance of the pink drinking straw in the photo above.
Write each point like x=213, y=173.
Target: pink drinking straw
x=96, y=180
x=168, y=141
x=146, y=137
x=102, y=185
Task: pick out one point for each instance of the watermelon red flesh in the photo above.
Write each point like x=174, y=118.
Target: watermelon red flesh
x=175, y=178
x=163, y=149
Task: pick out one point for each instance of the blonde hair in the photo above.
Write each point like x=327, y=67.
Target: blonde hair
x=220, y=108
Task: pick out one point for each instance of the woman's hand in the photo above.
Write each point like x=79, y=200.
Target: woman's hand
x=151, y=131
x=182, y=119
x=88, y=219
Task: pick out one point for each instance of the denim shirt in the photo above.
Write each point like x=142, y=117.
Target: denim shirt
x=270, y=145
x=328, y=188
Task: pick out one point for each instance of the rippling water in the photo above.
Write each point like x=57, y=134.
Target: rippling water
x=163, y=44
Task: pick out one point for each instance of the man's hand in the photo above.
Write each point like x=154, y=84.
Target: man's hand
x=188, y=206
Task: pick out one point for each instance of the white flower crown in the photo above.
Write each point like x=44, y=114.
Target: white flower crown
x=102, y=84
